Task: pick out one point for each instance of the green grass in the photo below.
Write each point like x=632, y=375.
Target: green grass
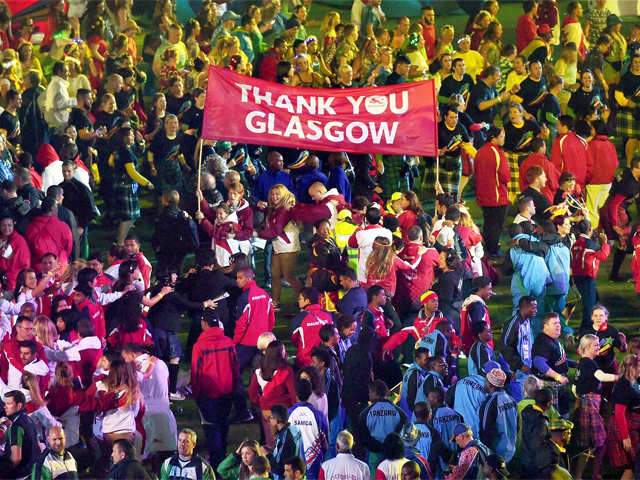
x=620, y=298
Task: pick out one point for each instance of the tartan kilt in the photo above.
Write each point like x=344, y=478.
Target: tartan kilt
x=515, y=159
x=617, y=455
x=125, y=202
x=627, y=126
x=393, y=179
x=592, y=432
x=450, y=174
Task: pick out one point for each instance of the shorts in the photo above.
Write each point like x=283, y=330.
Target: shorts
x=167, y=344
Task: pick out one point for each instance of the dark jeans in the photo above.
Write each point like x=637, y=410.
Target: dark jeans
x=268, y=252
x=353, y=413
x=587, y=288
x=493, y=221
x=245, y=356
x=215, y=412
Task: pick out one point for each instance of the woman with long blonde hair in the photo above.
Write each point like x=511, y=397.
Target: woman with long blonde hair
x=328, y=29
x=70, y=275
x=283, y=231
x=383, y=264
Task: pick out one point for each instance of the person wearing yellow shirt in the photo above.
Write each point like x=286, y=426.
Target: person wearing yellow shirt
x=472, y=59
x=518, y=74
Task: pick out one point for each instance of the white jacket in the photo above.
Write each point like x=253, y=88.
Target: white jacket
x=345, y=465
x=57, y=102
x=365, y=238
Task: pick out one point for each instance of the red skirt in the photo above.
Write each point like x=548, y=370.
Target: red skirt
x=617, y=455
x=592, y=432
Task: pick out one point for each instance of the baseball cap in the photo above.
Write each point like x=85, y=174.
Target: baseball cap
x=396, y=196
x=613, y=19
x=222, y=146
x=559, y=423
x=344, y=213
x=459, y=429
x=229, y=15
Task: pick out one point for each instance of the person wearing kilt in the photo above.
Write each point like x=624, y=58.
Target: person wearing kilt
x=127, y=182
x=519, y=132
x=623, y=431
x=166, y=148
x=394, y=178
x=592, y=434
x=454, y=139
x=628, y=116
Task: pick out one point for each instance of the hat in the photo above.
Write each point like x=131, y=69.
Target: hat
x=480, y=282
x=613, y=19
x=463, y=38
x=229, y=15
x=490, y=365
x=344, y=213
x=459, y=429
x=222, y=146
x=498, y=465
x=559, y=423
x=84, y=289
x=396, y=196
x=497, y=377
x=544, y=29
x=428, y=295
x=292, y=23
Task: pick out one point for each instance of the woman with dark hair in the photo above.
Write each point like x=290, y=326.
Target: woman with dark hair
x=155, y=120
x=588, y=95
x=99, y=48
x=127, y=180
x=449, y=285
x=66, y=321
x=130, y=327
x=272, y=384
x=491, y=44
x=318, y=396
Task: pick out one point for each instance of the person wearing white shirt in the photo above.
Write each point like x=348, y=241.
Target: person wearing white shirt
x=345, y=465
x=57, y=102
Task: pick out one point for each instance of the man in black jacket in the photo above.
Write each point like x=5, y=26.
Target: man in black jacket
x=125, y=466
x=174, y=236
x=202, y=283
x=537, y=452
x=79, y=199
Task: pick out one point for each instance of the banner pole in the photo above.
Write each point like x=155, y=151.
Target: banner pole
x=435, y=215
x=200, y=170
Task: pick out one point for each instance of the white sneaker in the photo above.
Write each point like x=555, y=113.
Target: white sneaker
x=176, y=397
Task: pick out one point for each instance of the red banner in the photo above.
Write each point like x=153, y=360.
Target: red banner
x=395, y=120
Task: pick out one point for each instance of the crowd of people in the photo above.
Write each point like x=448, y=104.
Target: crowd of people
x=394, y=301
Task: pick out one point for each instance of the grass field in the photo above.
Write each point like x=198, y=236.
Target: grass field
x=620, y=298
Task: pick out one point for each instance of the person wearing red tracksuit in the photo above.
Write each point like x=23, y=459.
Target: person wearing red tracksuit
x=586, y=256
x=569, y=151
x=132, y=249
x=493, y=173
x=424, y=324
x=602, y=163
x=474, y=309
x=83, y=304
x=47, y=234
x=214, y=376
x=256, y=316
x=412, y=283
x=90, y=349
x=539, y=158
x=305, y=327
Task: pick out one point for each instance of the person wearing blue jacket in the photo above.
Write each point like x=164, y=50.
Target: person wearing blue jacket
x=379, y=420
x=313, y=427
x=531, y=275
x=413, y=379
x=517, y=344
x=337, y=176
x=434, y=379
x=480, y=352
x=499, y=416
x=288, y=441
x=468, y=395
x=429, y=444
x=444, y=418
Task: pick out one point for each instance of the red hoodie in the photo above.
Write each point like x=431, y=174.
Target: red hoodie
x=214, y=365
x=257, y=315
x=19, y=258
x=307, y=336
x=94, y=313
x=413, y=283
x=48, y=234
x=550, y=170
x=280, y=390
x=569, y=154
x=602, y=161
